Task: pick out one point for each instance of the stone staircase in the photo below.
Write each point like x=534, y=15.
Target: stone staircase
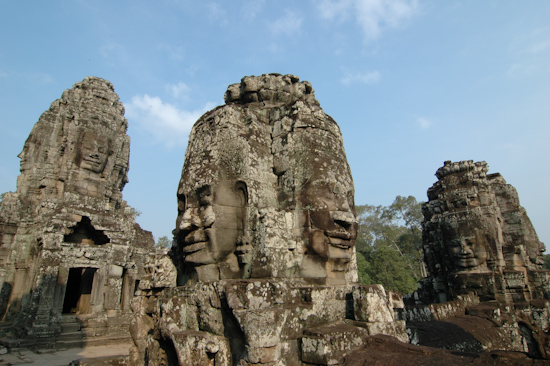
x=71, y=335
x=73, y=331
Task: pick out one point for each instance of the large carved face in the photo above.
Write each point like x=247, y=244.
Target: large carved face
x=333, y=226
x=325, y=194
x=94, y=151
x=468, y=245
x=29, y=154
x=211, y=228
x=535, y=251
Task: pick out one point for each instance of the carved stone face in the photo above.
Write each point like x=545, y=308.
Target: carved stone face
x=28, y=155
x=535, y=251
x=333, y=226
x=212, y=225
x=332, y=229
x=94, y=151
x=468, y=246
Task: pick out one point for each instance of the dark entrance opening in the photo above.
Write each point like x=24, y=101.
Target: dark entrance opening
x=168, y=355
x=78, y=292
x=85, y=233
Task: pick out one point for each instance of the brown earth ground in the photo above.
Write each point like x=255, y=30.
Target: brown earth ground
x=387, y=351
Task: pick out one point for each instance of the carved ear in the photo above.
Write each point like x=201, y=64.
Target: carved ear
x=242, y=191
x=182, y=203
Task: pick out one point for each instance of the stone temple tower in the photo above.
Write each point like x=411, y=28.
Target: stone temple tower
x=70, y=247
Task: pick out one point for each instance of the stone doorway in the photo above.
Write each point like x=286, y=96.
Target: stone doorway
x=78, y=292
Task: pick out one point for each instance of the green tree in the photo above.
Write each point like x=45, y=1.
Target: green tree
x=135, y=212
x=389, y=244
x=389, y=268
x=163, y=242
x=546, y=261
x=407, y=211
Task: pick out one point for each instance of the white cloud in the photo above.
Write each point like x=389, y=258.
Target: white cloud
x=373, y=16
x=251, y=8
x=114, y=52
x=363, y=78
x=520, y=70
x=217, y=13
x=179, y=90
x=176, y=53
x=423, y=123
x=165, y=122
x=330, y=9
x=40, y=78
x=535, y=42
x=289, y=24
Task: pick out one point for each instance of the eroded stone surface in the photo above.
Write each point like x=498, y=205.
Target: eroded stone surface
x=484, y=261
x=264, y=243
x=71, y=250
x=266, y=190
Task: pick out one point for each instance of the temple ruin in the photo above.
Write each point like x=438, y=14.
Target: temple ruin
x=485, y=265
x=264, y=241
x=263, y=268
x=71, y=252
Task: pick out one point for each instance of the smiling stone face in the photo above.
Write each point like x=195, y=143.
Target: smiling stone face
x=266, y=190
x=331, y=232
x=94, y=151
x=77, y=147
x=468, y=245
x=211, y=227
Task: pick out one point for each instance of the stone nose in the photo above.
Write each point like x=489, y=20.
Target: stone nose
x=190, y=220
x=343, y=218
x=464, y=248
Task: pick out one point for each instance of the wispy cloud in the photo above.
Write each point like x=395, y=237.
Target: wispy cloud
x=362, y=78
x=289, y=24
x=423, y=123
x=176, y=53
x=179, y=90
x=531, y=50
x=520, y=70
x=372, y=16
x=535, y=42
x=251, y=8
x=167, y=123
x=217, y=13
x=114, y=52
x=40, y=78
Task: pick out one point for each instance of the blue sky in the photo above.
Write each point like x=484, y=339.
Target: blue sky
x=411, y=83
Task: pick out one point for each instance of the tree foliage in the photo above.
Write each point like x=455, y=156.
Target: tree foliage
x=389, y=244
x=134, y=212
x=546, y=258
x=163, y=242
